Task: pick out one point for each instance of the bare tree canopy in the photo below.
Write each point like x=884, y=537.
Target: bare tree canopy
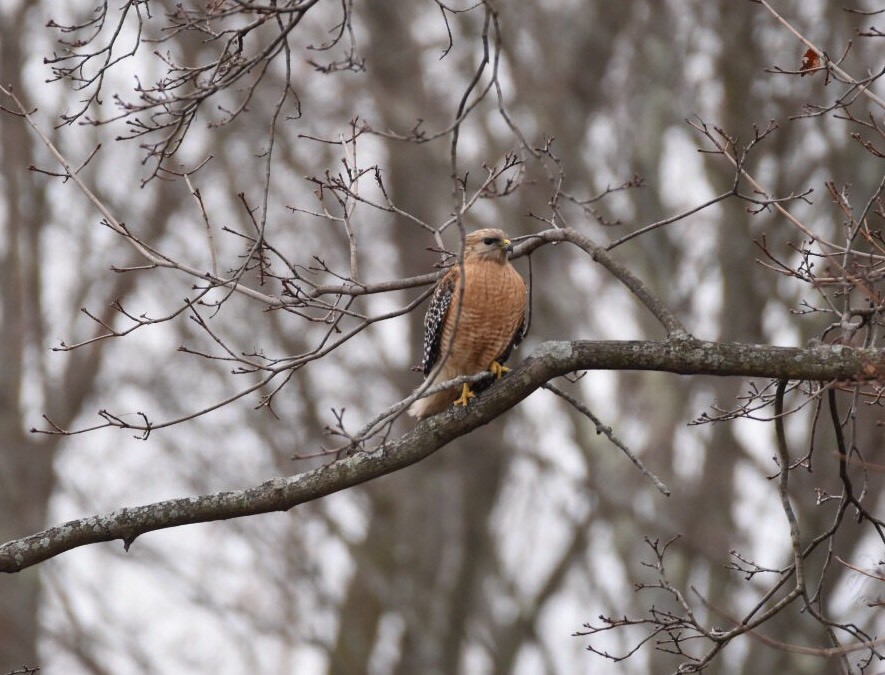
x=221, y=225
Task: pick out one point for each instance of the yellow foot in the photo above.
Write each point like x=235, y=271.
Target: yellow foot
x=498, y=370
x=466, y=395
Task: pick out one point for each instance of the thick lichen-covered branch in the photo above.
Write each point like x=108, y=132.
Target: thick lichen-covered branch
x=547, y=361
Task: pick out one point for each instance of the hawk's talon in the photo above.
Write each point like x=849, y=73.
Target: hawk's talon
x=466, y=395
x=498, y=370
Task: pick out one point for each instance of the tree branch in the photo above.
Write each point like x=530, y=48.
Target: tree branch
x=683, y=356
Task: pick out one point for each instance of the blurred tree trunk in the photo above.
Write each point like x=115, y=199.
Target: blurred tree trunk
x=26, y=479
x=413, y=515
x=28, y=386
x=743, y=304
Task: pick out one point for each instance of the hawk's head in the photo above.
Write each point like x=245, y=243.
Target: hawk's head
x=487, y=244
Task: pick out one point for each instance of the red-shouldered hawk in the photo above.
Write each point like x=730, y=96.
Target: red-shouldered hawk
x=489, y=326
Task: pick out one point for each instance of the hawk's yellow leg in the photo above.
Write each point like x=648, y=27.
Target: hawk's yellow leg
x=498, y=370
x=466, y=395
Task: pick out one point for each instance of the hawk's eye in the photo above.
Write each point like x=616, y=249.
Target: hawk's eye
x=488, y=241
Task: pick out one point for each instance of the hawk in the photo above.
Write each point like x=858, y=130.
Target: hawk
x=488, y=326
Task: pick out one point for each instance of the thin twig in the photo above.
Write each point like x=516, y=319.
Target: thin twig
x=609, y=434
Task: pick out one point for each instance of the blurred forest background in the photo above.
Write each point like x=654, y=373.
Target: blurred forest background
x=491, y=554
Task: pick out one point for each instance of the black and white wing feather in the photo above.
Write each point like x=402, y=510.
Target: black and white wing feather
x=435, y=320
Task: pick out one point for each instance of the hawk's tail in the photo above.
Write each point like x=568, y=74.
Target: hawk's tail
x=435, y=403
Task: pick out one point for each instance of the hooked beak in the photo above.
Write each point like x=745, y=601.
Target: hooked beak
x=507, y=246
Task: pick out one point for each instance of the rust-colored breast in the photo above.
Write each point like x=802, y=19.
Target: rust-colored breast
x=492, y=310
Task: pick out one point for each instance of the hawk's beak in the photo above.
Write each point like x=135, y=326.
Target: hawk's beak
x=507, y=246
